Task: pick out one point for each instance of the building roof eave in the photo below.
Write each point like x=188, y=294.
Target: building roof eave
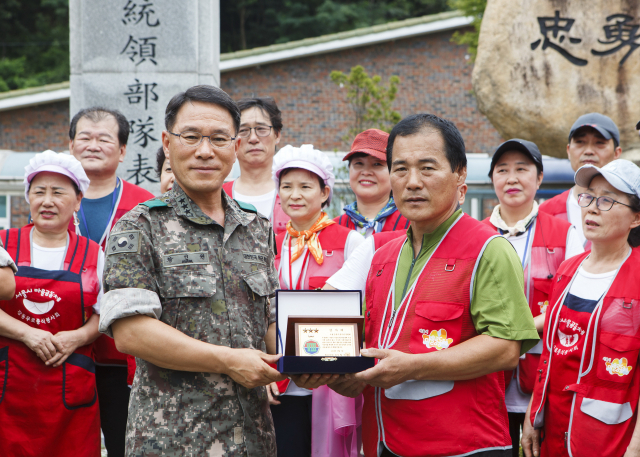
x=323, y=45
x=35, y=96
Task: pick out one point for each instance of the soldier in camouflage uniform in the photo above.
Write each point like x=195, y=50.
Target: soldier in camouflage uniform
x=189, y=297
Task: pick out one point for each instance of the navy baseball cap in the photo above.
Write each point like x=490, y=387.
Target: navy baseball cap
x=527, y=147
x=603, y=124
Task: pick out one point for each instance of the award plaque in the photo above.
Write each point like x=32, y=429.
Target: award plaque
x=327, y=340
x=320, y=331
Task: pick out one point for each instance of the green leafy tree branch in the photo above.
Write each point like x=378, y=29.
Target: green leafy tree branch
x=370, y=100
x=475, y=9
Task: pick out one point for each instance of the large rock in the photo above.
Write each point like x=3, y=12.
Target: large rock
x=534, y=87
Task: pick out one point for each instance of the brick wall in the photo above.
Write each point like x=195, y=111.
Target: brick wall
x=435, y=78
x=19, y=211
x=36, y=128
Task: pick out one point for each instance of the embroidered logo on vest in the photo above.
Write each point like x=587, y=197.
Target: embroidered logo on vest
x=437, y=339
x=543, y=306
x=618, y=366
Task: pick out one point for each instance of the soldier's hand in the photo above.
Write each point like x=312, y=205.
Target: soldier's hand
x=347, y=387
x=393, y=368
x=250, y=368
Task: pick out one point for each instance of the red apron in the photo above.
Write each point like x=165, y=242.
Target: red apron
x=44, y=410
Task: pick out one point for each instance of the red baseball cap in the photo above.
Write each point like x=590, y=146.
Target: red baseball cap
x=372, y=142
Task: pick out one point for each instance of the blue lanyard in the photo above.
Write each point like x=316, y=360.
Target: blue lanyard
x=526, y=247
x=113, y=204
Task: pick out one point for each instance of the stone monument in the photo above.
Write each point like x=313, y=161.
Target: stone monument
x=134, y=55
x=543, y=63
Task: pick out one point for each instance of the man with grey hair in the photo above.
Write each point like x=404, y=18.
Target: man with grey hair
x=188, y=280
x=98, y=139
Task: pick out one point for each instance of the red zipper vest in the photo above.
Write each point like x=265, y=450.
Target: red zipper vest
x=548, y=249
x=606, y=394
x=333, y=240
x=435, y=418
x=46, y=410
x=279, y=218
x=556, y=206
x=394, y=222
x=104, y=348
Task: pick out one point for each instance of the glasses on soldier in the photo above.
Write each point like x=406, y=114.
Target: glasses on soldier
x=261, y=130
x=602, y=203
x=193, y=139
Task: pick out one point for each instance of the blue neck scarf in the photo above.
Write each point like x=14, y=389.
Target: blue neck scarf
x=377, y=222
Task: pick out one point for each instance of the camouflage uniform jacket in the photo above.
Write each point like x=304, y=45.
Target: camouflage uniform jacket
x=213, y=284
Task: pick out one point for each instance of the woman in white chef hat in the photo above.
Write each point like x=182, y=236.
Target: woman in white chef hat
x=47, y=374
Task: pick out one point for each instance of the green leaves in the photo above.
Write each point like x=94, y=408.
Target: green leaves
x=473, y=8
x=34, y=43
x=370, y=99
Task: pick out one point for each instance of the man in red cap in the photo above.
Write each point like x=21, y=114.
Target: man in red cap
x=374, y=210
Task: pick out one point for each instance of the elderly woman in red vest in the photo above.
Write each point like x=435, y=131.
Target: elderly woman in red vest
x=585, y=398
x=309, y=252
x=48, y=400
x=542, y=242
x=374, y=210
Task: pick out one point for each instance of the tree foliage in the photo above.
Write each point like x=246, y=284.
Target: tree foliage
x=475, y=9
x=370, y=100
x=34, y=34
x=34, y=43
x=248, y=24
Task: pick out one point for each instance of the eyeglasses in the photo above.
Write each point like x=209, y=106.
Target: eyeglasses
x=193, y=139
x=602, y=203
x=261, y=130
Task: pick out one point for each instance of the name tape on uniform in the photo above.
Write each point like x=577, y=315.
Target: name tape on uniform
x=185, y=258
x=122, y=242
x=254, y=257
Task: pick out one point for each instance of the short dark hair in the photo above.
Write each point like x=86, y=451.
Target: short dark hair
x=98, y=113
x=160, y=158
x=634, y=235
x=203, y=94
x=357, y=155
x=284, y=172
x=267, y=105
x=416, y=123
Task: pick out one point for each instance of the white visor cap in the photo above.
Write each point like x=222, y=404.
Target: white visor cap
x=65, y=164
x=307, y=158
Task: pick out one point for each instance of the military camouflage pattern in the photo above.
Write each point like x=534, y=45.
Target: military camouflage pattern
x=213, y=283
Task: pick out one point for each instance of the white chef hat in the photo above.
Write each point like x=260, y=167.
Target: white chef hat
x=307, y=158
x=65, y=164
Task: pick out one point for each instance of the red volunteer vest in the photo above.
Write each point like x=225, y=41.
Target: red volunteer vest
x=104, y=348
x=394, y=222
x=435, y=418
x=606, y=394
x=382, y=238
x=333, y=240
x=279, y=218
x=548, y=250
x=45, y=410
x=557, y=206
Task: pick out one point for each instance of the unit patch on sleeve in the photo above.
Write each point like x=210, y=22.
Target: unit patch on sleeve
x=128, y=241
x=254, y=257
x=185, y=258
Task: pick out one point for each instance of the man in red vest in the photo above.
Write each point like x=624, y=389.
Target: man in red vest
x=98, y=139
x=594, y=139
x=445, y=312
